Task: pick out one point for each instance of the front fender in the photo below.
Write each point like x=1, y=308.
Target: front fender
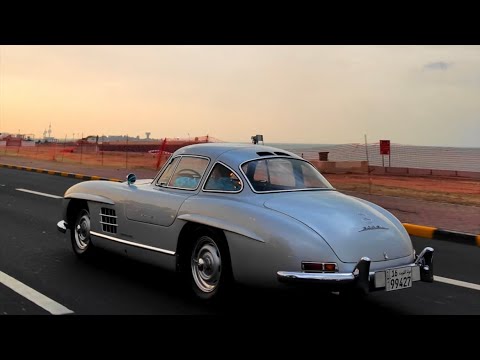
x=89, y=197
x=95, y=190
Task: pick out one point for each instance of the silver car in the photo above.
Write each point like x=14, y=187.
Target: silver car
x=252, y=214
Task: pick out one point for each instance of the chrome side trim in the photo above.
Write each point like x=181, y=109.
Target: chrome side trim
x=168, y=252
x=110, y=216
x=104, y=223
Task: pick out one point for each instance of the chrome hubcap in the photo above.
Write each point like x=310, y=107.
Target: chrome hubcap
x=82, y=232
x=206, y=265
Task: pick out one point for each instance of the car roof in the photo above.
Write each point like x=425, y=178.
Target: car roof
x=233, y=153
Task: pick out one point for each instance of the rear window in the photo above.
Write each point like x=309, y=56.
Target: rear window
x=280, y=174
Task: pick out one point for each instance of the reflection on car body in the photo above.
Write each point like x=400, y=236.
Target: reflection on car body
x=252, y=214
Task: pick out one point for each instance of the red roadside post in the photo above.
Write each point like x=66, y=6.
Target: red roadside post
x=385, y=150
x=160, y=154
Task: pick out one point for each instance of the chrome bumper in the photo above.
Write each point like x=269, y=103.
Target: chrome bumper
x=362, y=277
x=62, y=226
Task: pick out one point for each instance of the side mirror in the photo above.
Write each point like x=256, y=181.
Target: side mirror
x=131, y=178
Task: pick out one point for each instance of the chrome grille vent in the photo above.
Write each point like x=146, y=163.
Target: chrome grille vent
x=108, y=219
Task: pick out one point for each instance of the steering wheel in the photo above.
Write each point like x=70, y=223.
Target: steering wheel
x=189, y=172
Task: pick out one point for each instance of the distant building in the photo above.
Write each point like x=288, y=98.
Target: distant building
x=49, y=138
x=16, y=140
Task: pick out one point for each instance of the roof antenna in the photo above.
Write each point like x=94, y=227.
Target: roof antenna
x=256, y=139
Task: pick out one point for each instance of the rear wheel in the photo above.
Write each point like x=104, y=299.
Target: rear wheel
x=210, y=269
x=80, y=234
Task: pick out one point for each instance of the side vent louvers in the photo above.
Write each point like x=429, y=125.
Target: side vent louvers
x=108, y=219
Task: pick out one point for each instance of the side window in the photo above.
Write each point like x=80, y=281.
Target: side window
x=188, y=172
x=168, y=172
x=223, y=179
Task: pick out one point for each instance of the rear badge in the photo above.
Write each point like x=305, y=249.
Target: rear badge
x=373, y=227
x=385, y=256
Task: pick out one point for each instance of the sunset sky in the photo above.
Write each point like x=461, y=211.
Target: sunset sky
x=421, y=95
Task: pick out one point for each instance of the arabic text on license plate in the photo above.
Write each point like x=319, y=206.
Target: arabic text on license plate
x=397, y=279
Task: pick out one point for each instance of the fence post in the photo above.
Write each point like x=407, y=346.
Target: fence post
x=126, y=154
x=368, y=167
x=64, y=144
x=103, y=140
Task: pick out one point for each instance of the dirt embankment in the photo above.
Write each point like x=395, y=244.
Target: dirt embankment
x=441, y=189
x=452, y=190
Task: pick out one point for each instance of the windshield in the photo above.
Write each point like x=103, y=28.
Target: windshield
x=281, y=174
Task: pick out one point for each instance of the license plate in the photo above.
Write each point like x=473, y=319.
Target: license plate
x=397, y=279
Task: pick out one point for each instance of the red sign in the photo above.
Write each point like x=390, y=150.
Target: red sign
x=384, y=147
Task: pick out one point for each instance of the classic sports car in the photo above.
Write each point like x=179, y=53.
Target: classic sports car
x=247, y=213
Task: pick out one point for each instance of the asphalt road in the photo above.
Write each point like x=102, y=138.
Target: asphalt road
x=34, y=253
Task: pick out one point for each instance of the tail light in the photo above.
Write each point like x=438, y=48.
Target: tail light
x=309, y=266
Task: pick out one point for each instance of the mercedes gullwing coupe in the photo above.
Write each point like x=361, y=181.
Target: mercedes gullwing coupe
x=252, y=214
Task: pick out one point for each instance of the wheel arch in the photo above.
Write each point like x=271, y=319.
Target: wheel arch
x=73, y=207
x=185, y=242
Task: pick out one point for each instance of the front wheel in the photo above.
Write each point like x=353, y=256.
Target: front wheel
x=80, y=234
x=210, y=267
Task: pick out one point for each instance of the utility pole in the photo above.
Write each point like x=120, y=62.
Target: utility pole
x=366, y=149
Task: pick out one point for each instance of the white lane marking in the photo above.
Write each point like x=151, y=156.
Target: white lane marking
x=40, y=193
x=34, y=296
x=456, y=282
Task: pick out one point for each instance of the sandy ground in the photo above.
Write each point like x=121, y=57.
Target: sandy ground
x=440, y=189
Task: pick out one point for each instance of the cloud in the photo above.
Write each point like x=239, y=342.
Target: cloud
x=438, y=65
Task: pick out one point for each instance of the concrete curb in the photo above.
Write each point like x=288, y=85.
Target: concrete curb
x=412, y=229
x=441, y=234
x=58, y=173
